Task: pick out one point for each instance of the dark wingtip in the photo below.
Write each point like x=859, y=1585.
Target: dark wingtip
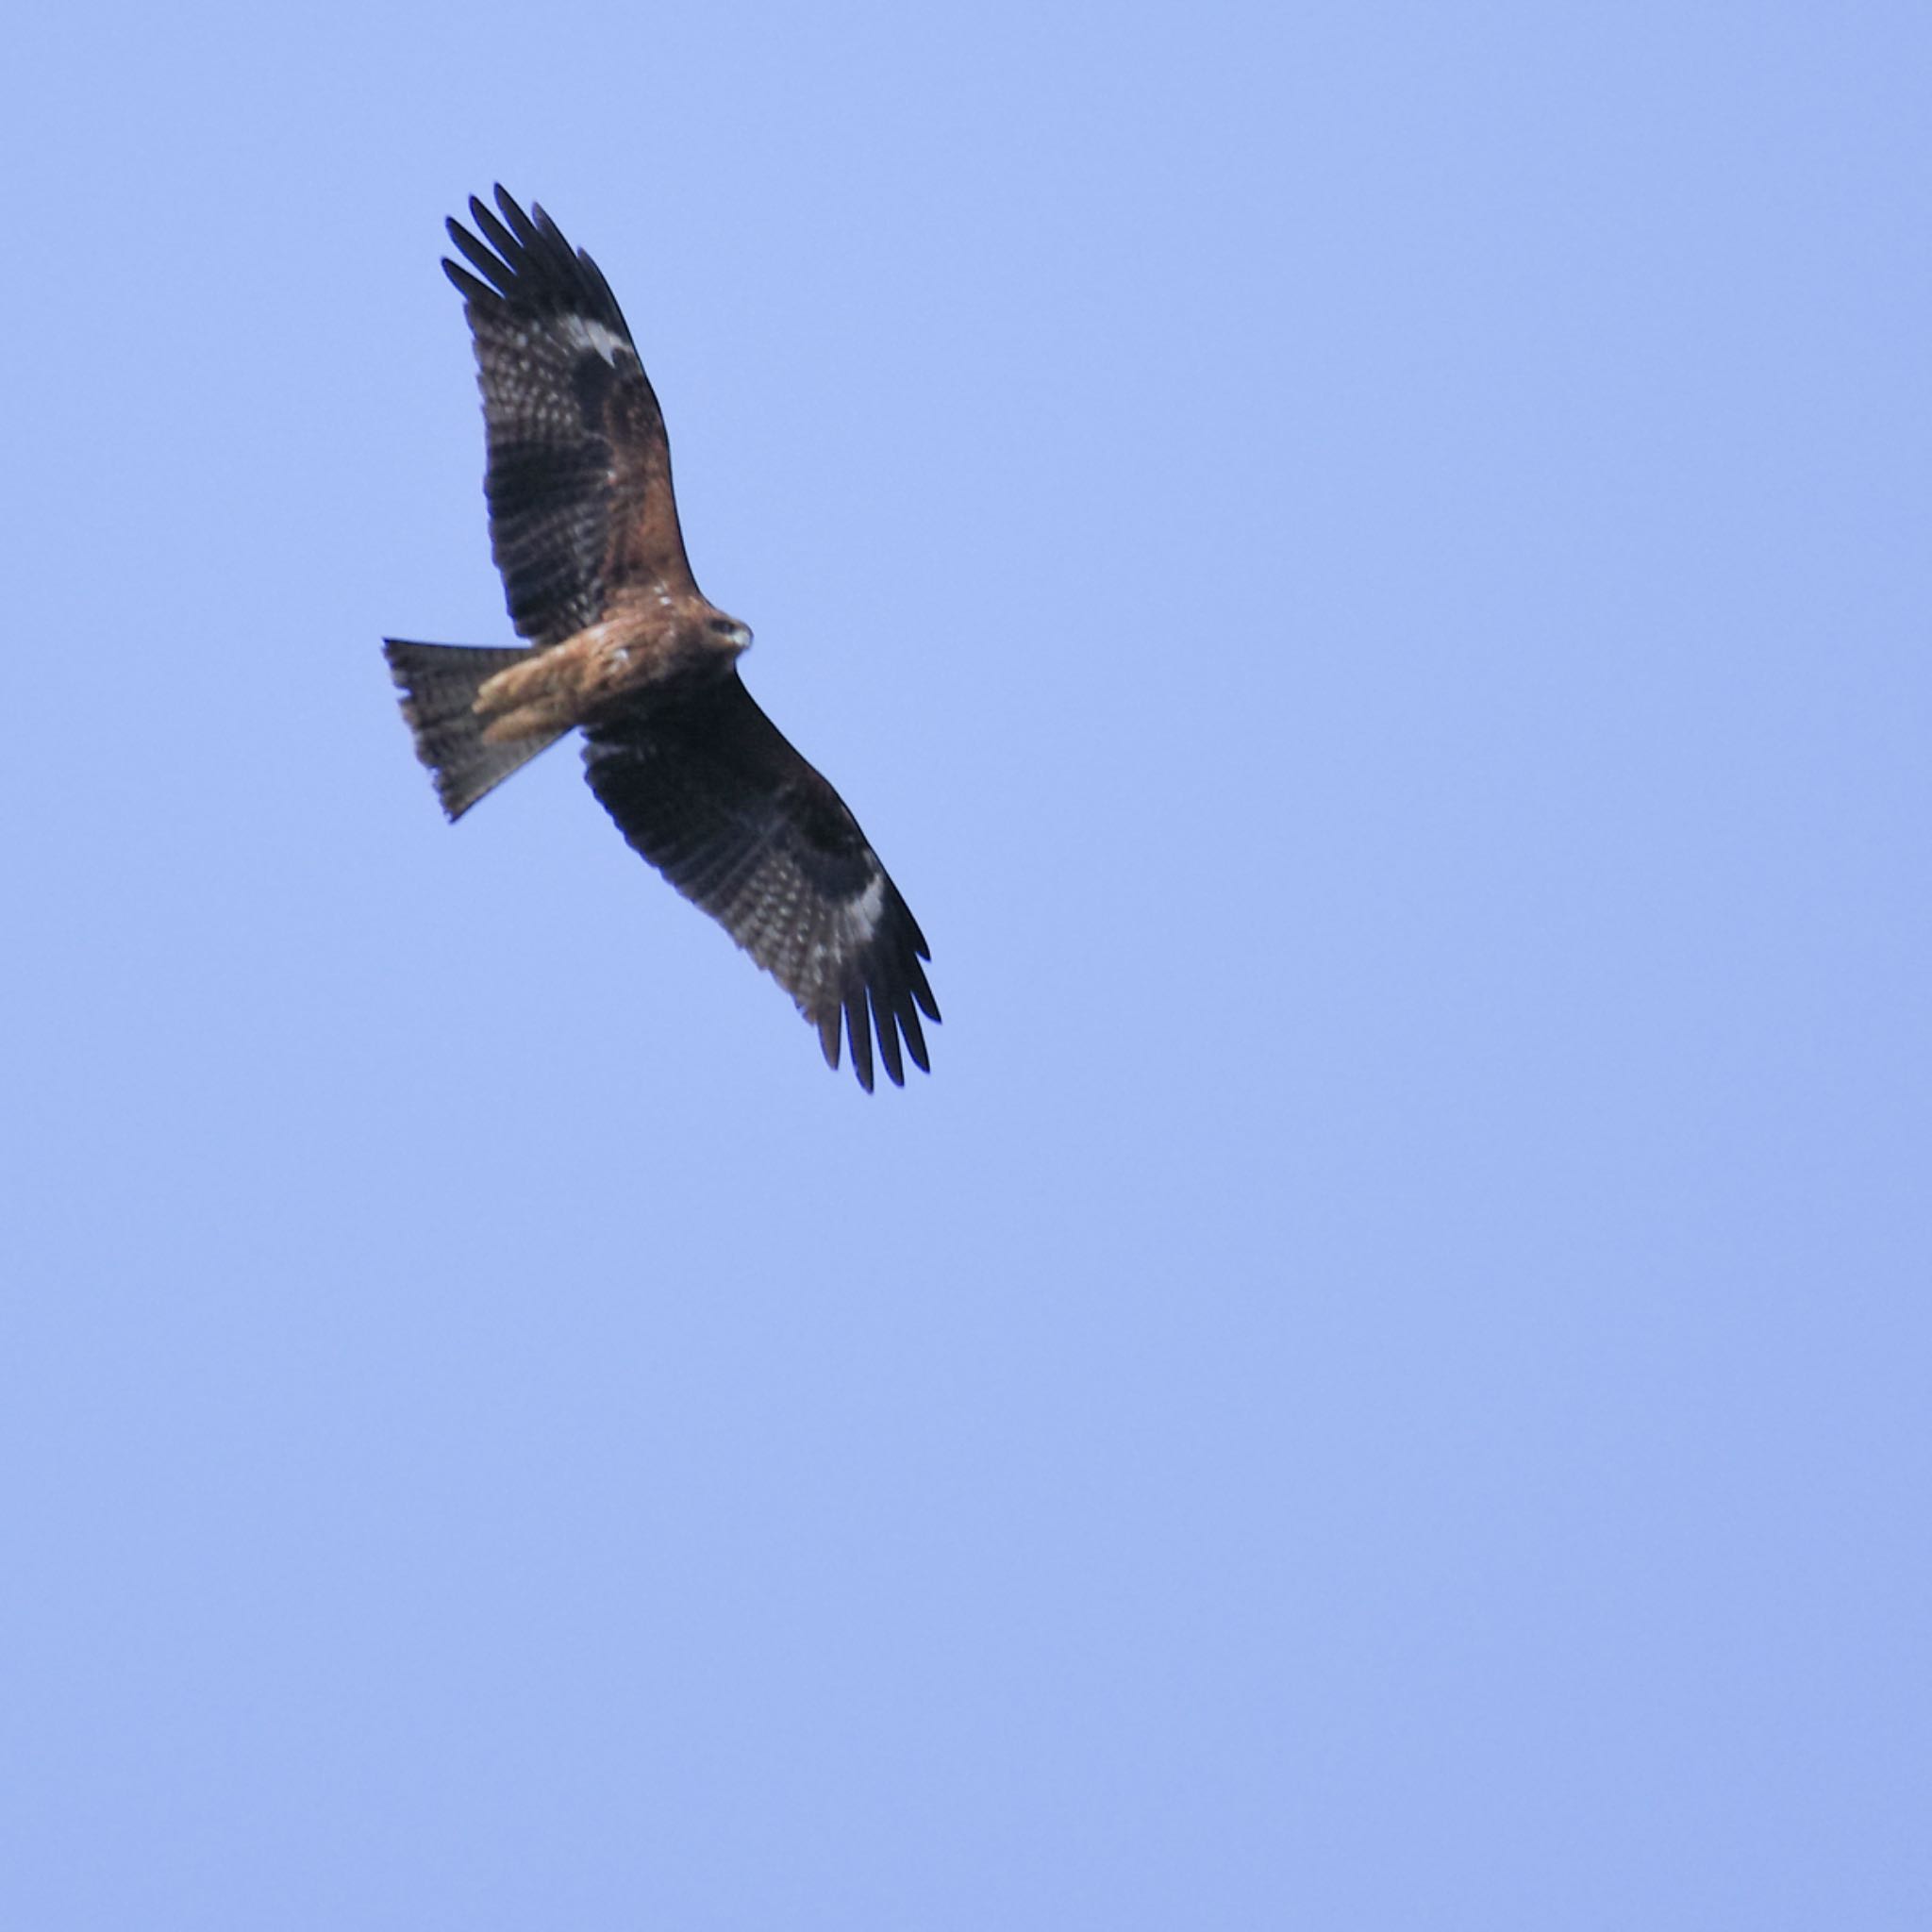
x=923, y=992
x=514, y=215
x=858, y=1030
x=465, y=284
x=524, y=259
x=889, y=1040
x=886, y=997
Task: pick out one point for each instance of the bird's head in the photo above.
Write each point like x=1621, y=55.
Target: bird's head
x=727, y=634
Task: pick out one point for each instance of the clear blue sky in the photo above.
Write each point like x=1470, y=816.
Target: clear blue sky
x=1366, y=568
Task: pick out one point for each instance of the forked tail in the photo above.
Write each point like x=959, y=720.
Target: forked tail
x=439, y=683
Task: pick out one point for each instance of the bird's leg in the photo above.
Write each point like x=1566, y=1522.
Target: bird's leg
x=559, y=687
x=540, y=697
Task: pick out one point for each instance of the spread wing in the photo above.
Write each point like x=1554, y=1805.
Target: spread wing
x=581, y=513
x=707, y=787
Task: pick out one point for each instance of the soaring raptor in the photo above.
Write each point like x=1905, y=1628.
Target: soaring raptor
x=624, y=645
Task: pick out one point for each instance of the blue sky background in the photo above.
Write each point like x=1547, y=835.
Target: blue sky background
x=1365, y=567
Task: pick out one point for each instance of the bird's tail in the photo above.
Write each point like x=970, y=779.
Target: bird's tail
x=439, y=683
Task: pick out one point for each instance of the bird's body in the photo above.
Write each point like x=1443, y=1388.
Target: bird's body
x=606, y=665
x=623, y=646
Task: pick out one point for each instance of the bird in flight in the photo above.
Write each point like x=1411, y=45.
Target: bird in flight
x=623, y=646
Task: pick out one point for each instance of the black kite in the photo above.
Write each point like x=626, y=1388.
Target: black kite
x=622, y=644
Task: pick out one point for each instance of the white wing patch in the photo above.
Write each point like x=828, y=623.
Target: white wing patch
x=824, y=961
x=582, y=332
x=862, y=916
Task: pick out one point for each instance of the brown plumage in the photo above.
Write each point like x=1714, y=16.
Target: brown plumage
x=622, y=644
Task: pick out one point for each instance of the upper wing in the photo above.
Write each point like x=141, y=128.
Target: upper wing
x=705, y=786
x=579, y=471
